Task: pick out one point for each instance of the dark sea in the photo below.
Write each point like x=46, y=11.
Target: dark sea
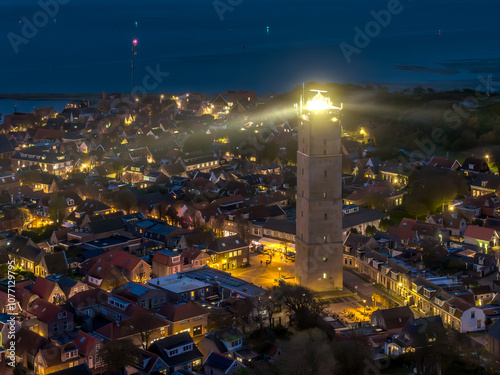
x=261, y=45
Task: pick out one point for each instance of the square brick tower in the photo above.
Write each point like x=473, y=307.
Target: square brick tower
x=318, y=239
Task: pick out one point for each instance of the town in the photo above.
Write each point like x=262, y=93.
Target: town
x=178, y=234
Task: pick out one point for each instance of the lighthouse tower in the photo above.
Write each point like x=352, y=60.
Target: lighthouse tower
x=318, y=239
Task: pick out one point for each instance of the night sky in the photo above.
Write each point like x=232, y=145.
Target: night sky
x=87, y=47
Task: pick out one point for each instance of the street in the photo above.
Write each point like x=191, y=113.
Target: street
x=350, y=309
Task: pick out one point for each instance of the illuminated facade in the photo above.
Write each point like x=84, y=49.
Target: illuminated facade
x=318, y=239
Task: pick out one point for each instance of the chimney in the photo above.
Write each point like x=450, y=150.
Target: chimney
x=158, y=281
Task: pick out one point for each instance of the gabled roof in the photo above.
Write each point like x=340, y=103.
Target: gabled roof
x=479, y=233
x=218, y=361
x=161, y=347
x=44, y=311
x=84, y=342
x=280, y=226
x=442, y=162
x=182, y=311
x=227, y=243
x=56, y=262
x=43, y=287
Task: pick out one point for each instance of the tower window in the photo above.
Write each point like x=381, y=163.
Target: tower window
x=324, y=276
x=324, y=240
x=324, y=142
x=302, y=170
x=326, y=216
x=324, y=152
x=324, y=195
x=325, y=172
x=301, y=213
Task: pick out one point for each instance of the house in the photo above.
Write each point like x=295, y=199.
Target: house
x=166, y=262
x=229, y=252
x=180, y=288
x=48, y=290
x=147, y=364
x=99, y=303
x=456, y=226
x=481, y=265
x=413, y=232
x=193, y=258
x=218, y=364
x=359, y=218
x=442, y=162
x=143, y=328
x=229, y=342
x=142, y=294
x=382, y=194
x=8, y=326
x=30, y=257
x=131, y=267
x=484, y=183
x=178, y=352
x=395, y=173
x=68, y=285
x=185, y=317
x=485, y=238
x=58, y=358
x=88, y=346
x=417, y=334
x=56, y=163
x=279, y=234
x=472, y=166
x=390, y=319
x=493, y=340
x=483, y=294
x=28, y=344
x=49, y=320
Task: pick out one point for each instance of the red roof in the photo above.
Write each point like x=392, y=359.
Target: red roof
x=45, y=311
x=442, y=162
x=165, y=259
x=183, y=311
x=85, y=342
x=48, y=134
x=405, y=229
x=479, y=233
x=43, y=287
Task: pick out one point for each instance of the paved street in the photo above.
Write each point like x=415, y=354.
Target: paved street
x=264, y=276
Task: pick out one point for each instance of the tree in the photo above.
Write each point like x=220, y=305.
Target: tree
x=307, y=352
x=172, y=214
x=197, y=142
x=118, y=354
x=291, y=151
x=432, y=252
x=384, y=224
x=370, y=230
x=125, y=200
x=299, y=301
x=57, y=209
x=270, y=153
x=25, y=216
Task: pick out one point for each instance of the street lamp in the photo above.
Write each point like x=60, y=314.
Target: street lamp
x=134, y=52
x=279, y=273
x=364, y=306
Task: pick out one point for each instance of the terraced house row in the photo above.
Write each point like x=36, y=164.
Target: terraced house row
x=429, y=295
